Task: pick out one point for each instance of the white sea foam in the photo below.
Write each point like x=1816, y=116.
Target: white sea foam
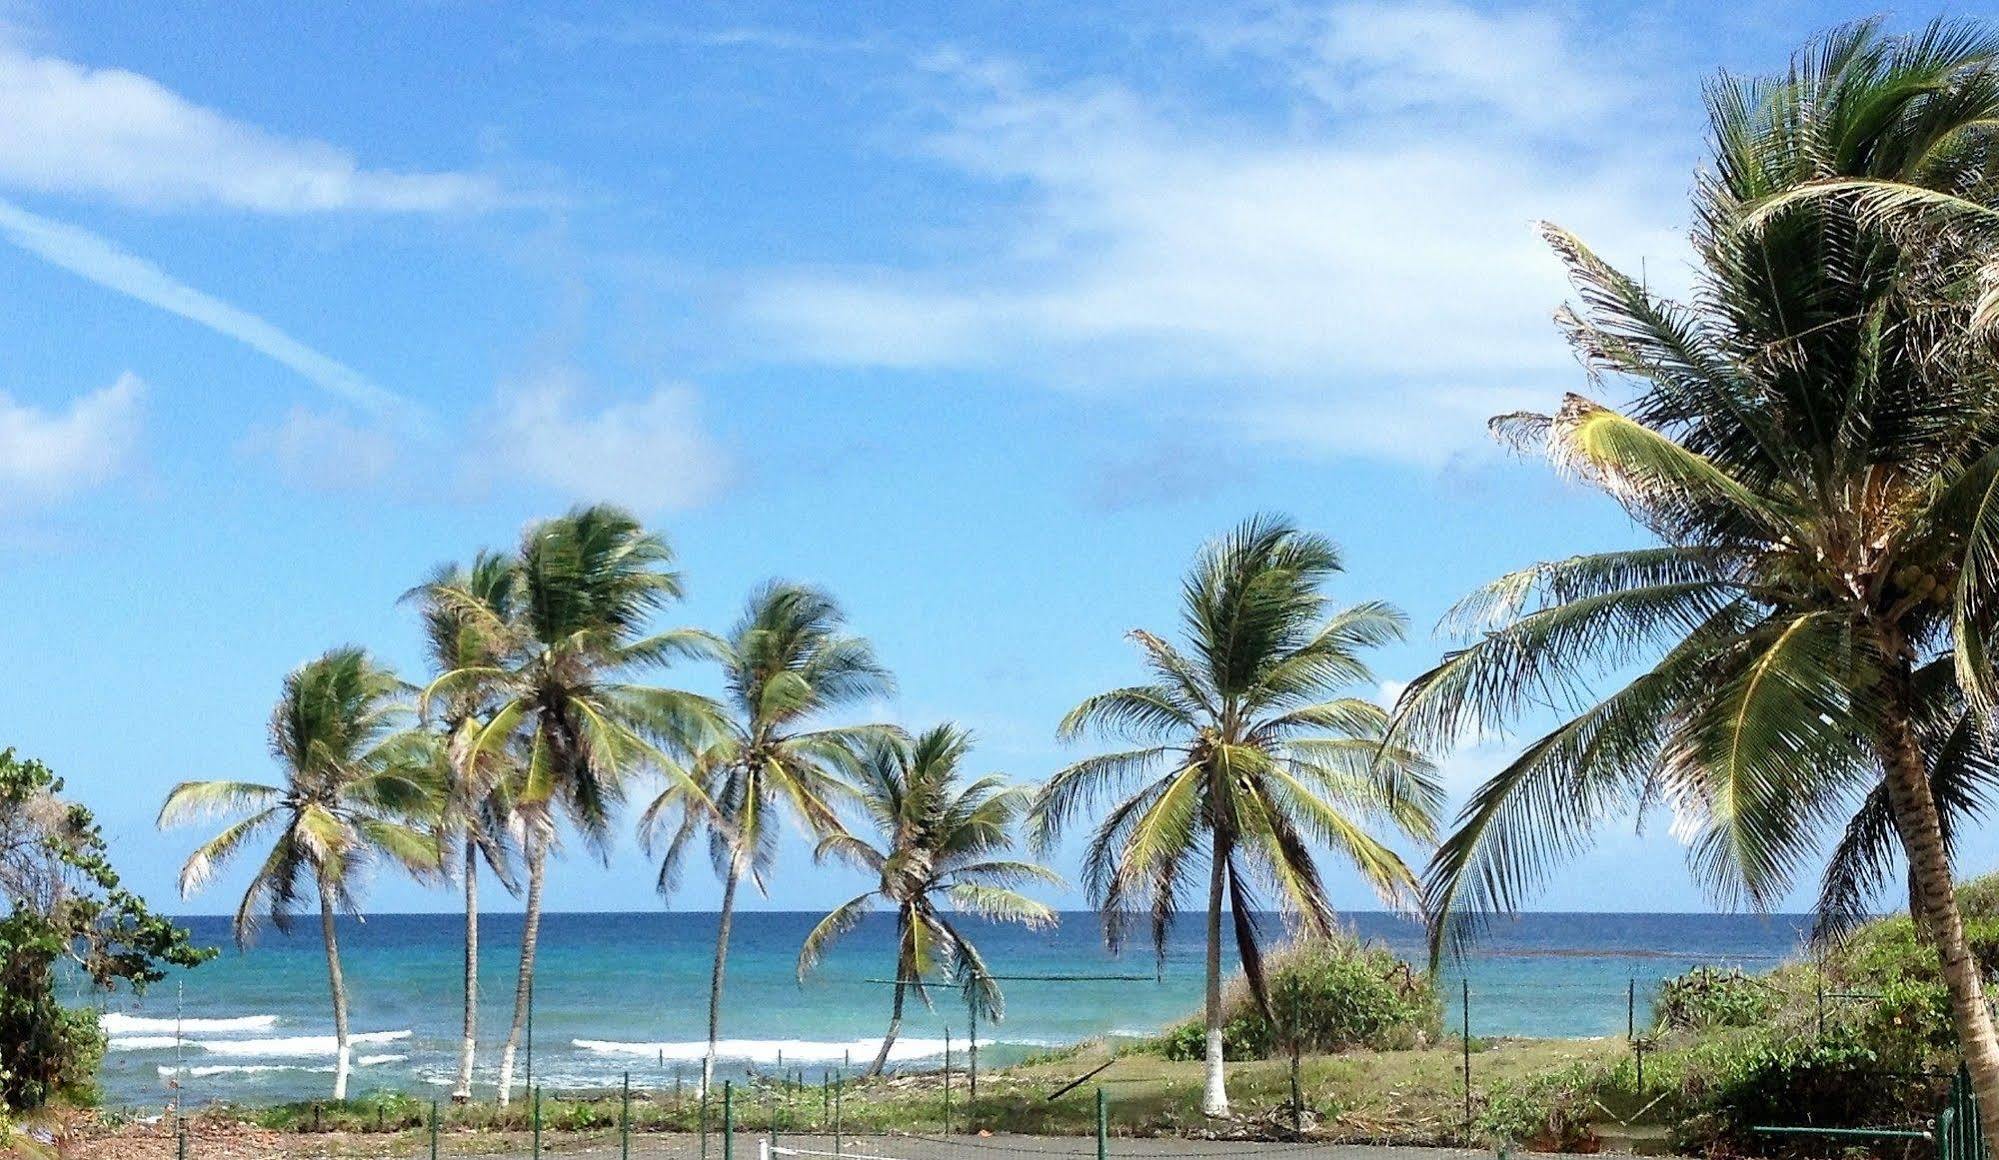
x=117, y=1022
x=169, y=1071
x=142, y=1042
x=770, y=1050
x=291, y=1046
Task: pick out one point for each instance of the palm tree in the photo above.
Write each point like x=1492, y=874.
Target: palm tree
x=469, y=622
x=588, y=584
x=355, y=790
x=1813, y=442
x=1247, y=753
x=943, y=838
x=787, y=662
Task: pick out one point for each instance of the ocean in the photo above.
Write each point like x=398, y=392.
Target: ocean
x=628, y=992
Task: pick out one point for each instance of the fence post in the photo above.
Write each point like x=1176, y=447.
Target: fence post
x=839, y=1110
x=947, y=1081
x=1631, y=1011
x=530, y=1052
x=1297, y=1087
x=704, y=1120
x=825, y=1099
x=1465, y=984
x=972, y=1063
x=728, y=1119
x=1103, y=1128
x=180, y=1137
x=537, y=1123
x=625, y=1122
x=433, y=1129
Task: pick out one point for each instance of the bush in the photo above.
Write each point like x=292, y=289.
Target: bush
x=1548, y=1113
x=1334, y=994
x=1706, y=997
x=64, y=903
x=1840, y=1080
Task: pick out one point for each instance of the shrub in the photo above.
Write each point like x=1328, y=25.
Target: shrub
x=64, y=903
x=1839, y=1080
x=1706, y=997
x=1334, y=994
x=1547, y=1113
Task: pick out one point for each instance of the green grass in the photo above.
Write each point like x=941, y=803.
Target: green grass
x=1413, y=1097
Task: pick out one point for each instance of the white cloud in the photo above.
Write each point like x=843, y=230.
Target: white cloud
x=1355, y=274
x=652, y=453
x=89, y=256
x=49, y=455
x=1374, y=58
x=326, y=451
x=72, y=129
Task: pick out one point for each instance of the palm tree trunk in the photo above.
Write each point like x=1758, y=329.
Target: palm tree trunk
x=1934, y=908
x=463, y=1091
x=903, y=972
x=1215, y=1096
x=342, y=1049
x=727, y=920
x=524, y=977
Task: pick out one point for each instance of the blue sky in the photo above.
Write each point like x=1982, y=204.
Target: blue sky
x=982, y=316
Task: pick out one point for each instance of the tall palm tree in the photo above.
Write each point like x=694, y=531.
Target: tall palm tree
x=1813, y=442
x=469, y=621
x=356, y=790
x=945, y=838
x=588, y=585
x=1247, y=754
x=787, y=662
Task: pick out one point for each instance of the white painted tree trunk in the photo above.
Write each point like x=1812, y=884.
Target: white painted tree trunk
x=343, y=1051
x=462, y=1092
x=721, y=966
x=1215, y=1094
x=524, y=977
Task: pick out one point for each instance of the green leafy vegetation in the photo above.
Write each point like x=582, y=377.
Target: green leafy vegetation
x=1331, y=994
x=1706, y=997
x=66, y=906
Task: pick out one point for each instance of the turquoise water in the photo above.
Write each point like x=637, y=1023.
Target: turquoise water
x=619, y=992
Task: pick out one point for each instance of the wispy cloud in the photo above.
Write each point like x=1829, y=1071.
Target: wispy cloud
x=109, y=133
x=48, y=455
x=652, y=453
x=327, y=451
x=89, y=256
x=1354, y=273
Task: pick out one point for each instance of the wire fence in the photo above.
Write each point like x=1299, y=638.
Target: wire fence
x=802, y=1109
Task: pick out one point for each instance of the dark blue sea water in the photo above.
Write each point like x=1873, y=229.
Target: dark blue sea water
x=629, y=991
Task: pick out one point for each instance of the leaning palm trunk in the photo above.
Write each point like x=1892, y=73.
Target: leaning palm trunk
x=722, y=927
x=342, y=1048
x=1215, y=1094
x=1933, y=905
x=463, y=1091
x=904, y=971
x=524, y=978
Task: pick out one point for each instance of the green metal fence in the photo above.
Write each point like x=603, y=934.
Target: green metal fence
x=1958, y=1134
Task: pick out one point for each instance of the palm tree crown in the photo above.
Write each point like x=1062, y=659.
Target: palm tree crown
x=356, y=790
x=788, y=661
x=1247, y=748
x=944, y=838
x=1814, y=445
